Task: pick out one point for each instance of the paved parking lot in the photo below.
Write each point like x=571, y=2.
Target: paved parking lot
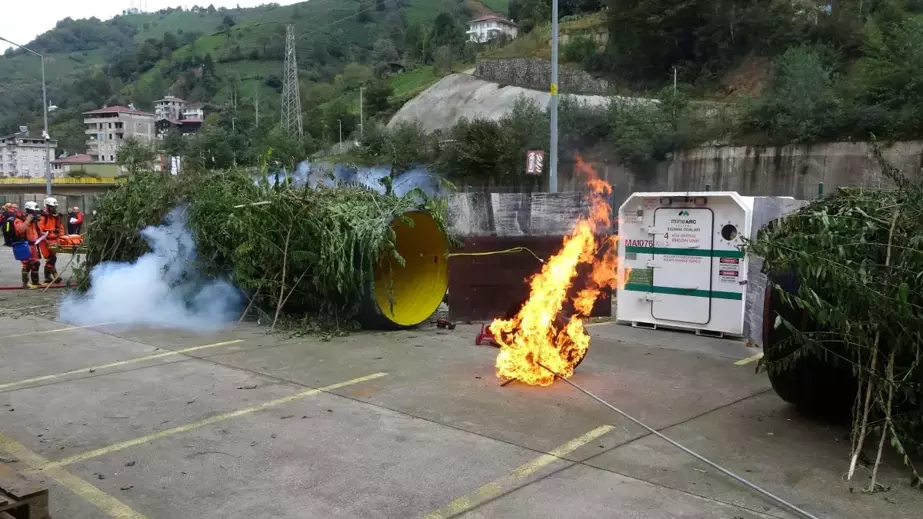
x=134, y=423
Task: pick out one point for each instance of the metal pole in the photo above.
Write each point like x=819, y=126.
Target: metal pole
x=361, y=117
x=699, y=457
x=553, y=162
x=46, y=136
x=340, y=121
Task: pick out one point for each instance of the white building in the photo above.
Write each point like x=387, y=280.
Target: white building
x=194, y=111
x=170, y=107
x=24, y=155
x=489, y=27
x=109, y=126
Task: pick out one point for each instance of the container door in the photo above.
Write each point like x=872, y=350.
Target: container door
x=682, y=265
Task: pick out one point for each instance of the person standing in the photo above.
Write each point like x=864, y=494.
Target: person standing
x=74, y=221
x=7, y=220
x=27, y=229
x=52, y=225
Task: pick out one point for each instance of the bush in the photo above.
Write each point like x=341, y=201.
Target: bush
x=800, y=104
x=307, y=252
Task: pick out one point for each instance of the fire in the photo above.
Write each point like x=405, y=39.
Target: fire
x=539, y=334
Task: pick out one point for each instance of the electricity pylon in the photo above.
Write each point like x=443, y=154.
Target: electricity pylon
x=291, y=96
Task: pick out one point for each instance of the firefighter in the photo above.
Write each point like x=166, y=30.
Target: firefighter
x=7, y=220
x=52, y=223
x=26, y=226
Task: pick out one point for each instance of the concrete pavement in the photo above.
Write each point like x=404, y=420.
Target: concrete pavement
x=131, y=423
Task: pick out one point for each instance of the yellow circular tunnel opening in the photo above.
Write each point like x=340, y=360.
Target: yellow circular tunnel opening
x=418, y=287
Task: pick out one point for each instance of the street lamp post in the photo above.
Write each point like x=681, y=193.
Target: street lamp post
x=553, y=162
x=45, y=136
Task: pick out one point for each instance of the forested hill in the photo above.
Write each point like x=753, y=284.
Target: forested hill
x=219, y=56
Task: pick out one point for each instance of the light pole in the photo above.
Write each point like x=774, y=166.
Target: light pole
x=553, y=162
x=45, y=136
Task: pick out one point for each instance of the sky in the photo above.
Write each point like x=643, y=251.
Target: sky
x=22, y=20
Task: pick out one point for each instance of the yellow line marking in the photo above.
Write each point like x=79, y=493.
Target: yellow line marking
x=202, y=423
x=86, y=491
x=57, y=330
x=494, y=488
x=748, y=360
x=168, y=353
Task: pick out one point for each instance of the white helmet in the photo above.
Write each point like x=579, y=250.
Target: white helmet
x=51, y=202
x=31, y=206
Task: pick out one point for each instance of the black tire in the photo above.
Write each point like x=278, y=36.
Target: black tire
x=559, y=324
x=813, y=384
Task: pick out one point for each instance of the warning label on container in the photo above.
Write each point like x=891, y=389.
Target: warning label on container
x=683, y=259
x=641, y=276
x=727, y=273
x=729, y=270
x=725, y=261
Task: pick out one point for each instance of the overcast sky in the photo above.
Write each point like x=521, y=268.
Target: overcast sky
x=22, y=20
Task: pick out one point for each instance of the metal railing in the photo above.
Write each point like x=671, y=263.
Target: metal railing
x=60, y=181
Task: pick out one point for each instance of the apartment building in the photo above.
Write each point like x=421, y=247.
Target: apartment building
x=170, y=107
x=24, y=155
x=109, y=126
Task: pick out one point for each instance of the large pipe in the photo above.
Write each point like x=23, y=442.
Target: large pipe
x=402, y=296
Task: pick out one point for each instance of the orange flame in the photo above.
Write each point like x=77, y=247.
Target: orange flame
x=539, y=334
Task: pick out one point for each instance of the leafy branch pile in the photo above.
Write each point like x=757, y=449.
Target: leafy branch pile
x=858, y=255
x=302, y=256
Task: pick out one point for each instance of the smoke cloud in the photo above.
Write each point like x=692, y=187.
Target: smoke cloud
x=162, y=289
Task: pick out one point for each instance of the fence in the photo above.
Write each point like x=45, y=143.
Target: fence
x=86, y=203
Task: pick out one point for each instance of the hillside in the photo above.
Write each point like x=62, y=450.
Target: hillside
x=225, y=57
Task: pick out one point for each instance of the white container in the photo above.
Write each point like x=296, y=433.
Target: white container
x=688, y=267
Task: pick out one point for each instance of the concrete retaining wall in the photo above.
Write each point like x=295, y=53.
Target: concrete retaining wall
x=536, y=74
x=795, y=171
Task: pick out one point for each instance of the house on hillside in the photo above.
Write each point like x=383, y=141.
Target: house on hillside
x=24, y=155
x=194, y=111
x=170, y=107
x=82, y=164
x=109, y=126
x=174, y=113
x=488, y=27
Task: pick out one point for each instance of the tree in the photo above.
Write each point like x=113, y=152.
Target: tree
x=376, y=96
x=354, y=75
x=135, y=156
x=444, y=58
x=227, y=23
x=446, y=31
x=478, y=151
x=800, y=104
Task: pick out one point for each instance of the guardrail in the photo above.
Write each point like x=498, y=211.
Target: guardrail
x=61, y=181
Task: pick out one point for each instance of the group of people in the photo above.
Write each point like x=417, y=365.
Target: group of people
x=40, y=228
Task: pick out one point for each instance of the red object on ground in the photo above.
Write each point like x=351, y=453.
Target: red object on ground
x=485, y=335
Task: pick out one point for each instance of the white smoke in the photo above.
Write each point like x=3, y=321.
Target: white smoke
x=161, y=289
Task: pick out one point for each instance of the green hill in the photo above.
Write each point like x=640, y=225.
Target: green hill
x=218, y=56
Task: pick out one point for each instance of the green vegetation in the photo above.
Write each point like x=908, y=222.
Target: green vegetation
x=304, y=256
x=857, y=257
x=231, y=59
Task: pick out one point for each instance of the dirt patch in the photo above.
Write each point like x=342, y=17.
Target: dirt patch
x=748, y=78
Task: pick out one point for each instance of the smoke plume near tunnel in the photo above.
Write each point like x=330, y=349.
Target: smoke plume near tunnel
x=161, y=289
